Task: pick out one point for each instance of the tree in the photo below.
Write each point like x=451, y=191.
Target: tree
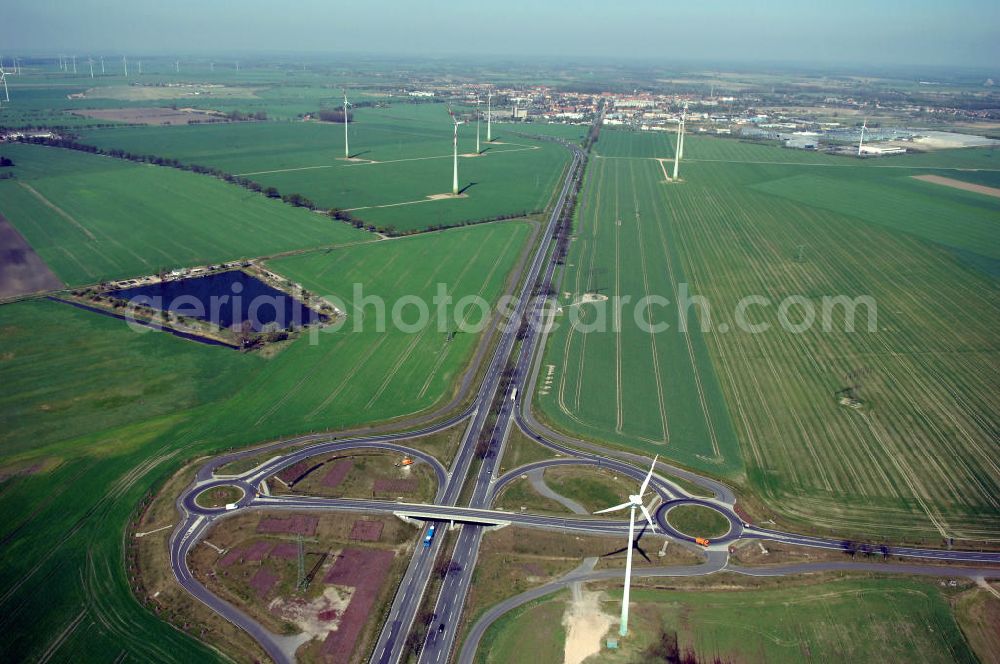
x=445, y=567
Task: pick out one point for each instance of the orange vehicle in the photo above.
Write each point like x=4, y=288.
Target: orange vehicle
x=702, y=541
x=407, y=461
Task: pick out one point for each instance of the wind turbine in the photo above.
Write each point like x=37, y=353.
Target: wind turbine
x=347, y=149
x=177, y=66
x=864, y=126
x=140, y=67
x=478, y=151
x=74, y=64
x=683, y=128
x=679, y=150
x=489, y=117
x=125, y=63
x=102, y=65
x=3, y=77
x=454, y=145
x=90, y=61
x=634, y=502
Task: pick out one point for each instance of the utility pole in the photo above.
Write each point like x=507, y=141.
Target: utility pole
x=301, y=583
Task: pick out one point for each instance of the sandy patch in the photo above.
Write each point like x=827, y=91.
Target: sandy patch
x=585, y=625
x=958, y=184
x=316, y=617
x=438, y=197
x=588, y=298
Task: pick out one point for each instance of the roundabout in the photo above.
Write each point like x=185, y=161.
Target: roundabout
x=710, y=520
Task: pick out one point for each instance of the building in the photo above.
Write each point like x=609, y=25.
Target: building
x=880, y=151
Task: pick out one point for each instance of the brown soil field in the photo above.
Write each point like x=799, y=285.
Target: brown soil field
x=22, y=271
x=152, y=116
x=958, y=184
x=365, y=570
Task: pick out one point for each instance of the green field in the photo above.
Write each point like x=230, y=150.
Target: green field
x=98, y=415
x=539, y=624
x=698, y=521
x=70, y=372
x=94, y=218
x=349, y=377
x=848, y=620
x=404, y=153
x=658, y=392
x=917, y=460
x=592, y=488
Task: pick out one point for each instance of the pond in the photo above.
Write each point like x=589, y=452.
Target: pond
x=227, y=299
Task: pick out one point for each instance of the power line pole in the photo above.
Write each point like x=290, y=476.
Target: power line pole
x=301, y=583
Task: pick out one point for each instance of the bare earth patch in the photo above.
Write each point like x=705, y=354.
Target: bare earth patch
x=177, y=91
x=585, y=625
x=293, y=525
x=337, y=473
x=364, y=570
x=958, y=184
x=153, y=116
x=366, y=531
x=22, y=271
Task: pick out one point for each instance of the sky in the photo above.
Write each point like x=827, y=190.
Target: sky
x=882, y=32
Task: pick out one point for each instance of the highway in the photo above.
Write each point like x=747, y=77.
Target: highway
x=451, y=597
x=475, y=517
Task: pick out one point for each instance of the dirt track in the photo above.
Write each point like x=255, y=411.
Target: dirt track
x=958, y=184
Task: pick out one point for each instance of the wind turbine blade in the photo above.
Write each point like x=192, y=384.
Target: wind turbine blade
x=645, y=482
x=649, y=518
x=613, y=509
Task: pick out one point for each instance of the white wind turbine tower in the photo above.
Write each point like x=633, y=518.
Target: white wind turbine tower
x=102, y=65
x=140, y=67
x=864, y=126
x=634, y=502
x=347, y=149
x=679, y=149
x=177, y=66
x=454, y=145
x=90, y=61
x=74, y=64
x=683, y=128
x=478, y=150
x=489, y=117
x=125, y=63
x=3, y=78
